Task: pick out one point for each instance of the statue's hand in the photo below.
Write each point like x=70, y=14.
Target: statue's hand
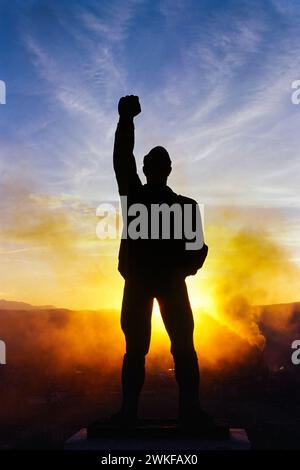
x=129, y=106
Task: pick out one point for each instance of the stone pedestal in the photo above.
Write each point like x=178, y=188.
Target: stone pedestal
x=159, y=436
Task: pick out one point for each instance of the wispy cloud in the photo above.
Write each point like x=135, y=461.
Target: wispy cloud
x=215, y=85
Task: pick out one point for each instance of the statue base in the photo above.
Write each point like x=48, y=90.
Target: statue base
x=156, y=435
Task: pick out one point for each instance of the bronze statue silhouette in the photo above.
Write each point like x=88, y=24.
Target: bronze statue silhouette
x=154, y=268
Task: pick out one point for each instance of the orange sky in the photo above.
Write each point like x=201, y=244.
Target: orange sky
x=51, y=255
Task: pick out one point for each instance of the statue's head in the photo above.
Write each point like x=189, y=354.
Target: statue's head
x=157, y=166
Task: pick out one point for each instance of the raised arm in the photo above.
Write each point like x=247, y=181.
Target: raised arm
x=124, y=161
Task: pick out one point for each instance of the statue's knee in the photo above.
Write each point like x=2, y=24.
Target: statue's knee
x=184, y=355
x=137, y=348
x=135, y=356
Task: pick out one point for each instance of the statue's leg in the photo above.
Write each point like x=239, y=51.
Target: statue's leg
x=136, y=325
x=178, y=319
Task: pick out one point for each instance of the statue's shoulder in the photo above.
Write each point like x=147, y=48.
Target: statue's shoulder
x=186, y=200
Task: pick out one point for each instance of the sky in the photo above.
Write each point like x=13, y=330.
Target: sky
x=215, y=84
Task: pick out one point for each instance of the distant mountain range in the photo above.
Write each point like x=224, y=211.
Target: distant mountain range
x=13, y=305
x=27, y=334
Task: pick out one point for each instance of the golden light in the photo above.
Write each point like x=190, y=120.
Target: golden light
x=158, y=328
x=244, y=268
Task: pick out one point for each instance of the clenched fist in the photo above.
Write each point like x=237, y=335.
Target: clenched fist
x=129, y=106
